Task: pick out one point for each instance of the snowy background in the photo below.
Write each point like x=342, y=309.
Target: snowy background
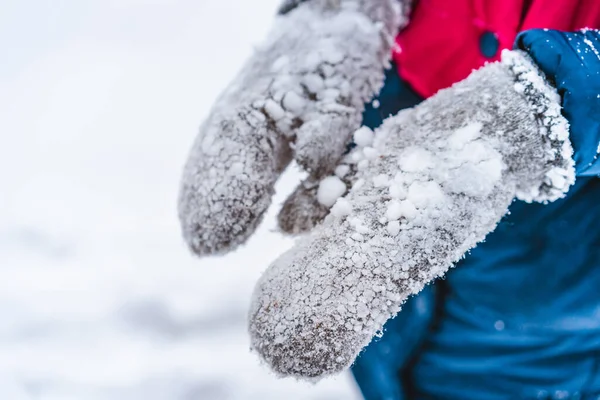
x=99, y=298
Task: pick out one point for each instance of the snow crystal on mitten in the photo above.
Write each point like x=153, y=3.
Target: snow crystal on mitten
x=433, y=182
x=300, y=95
x=310, y=203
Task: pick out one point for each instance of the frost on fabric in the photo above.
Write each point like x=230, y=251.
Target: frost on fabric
x=554, y=129
x=300, y=95
x=445, y=175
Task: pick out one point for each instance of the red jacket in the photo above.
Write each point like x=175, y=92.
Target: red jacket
x=440, y=29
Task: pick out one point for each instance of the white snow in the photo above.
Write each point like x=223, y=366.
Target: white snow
x=398, y=209
x=355, y=156
x=332, y=55
x=465, y=135
x=408, y=209
x=370, y=153
x=591, y=47
x=274, y=110
x=358, y=184
x=364, y=136
x=423, y=194
x=342, y=207
x=330, y=190
x=394, y=210
x=314, y=83
x=397, y=191
x=99, y=297
x=280, y=64
x=381, y=180
x=342, y=170
x=393, y=228
x=416, y=159
x=294, y=103
x=362, y=165
x=558, y=177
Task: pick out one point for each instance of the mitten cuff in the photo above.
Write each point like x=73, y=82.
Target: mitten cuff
x=554, y=129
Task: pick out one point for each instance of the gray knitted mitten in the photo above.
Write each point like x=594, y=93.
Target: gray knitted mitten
x=301, y=95
x=430, y=184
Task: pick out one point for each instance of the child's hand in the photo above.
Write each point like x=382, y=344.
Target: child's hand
x=301, y=95
x=434, y=182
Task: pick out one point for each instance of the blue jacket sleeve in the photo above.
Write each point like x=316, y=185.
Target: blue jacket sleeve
x=571, y=62
x=379, y=367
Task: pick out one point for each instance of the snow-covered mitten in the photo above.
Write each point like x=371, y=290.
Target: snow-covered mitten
x=431, y=184
x=299, y=96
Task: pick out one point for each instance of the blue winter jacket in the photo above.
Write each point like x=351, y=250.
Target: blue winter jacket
x=519, y=317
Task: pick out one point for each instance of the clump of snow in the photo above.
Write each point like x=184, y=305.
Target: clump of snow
x=393, y=228
x=363, y=137
x=313, y=83
x=330, y=190
x=381, y=180
x=294, y=103
x=274, y=110
x=480, y=175
x=425, y=194
x=394, y=210
x=476, y=180
x=415, y=159
x=397, y=191
x=370, y=153
x=464, y=135
x=362, y=165
x=341, y=208
x=400, y=209
x=342, y=170
x=359, y=183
